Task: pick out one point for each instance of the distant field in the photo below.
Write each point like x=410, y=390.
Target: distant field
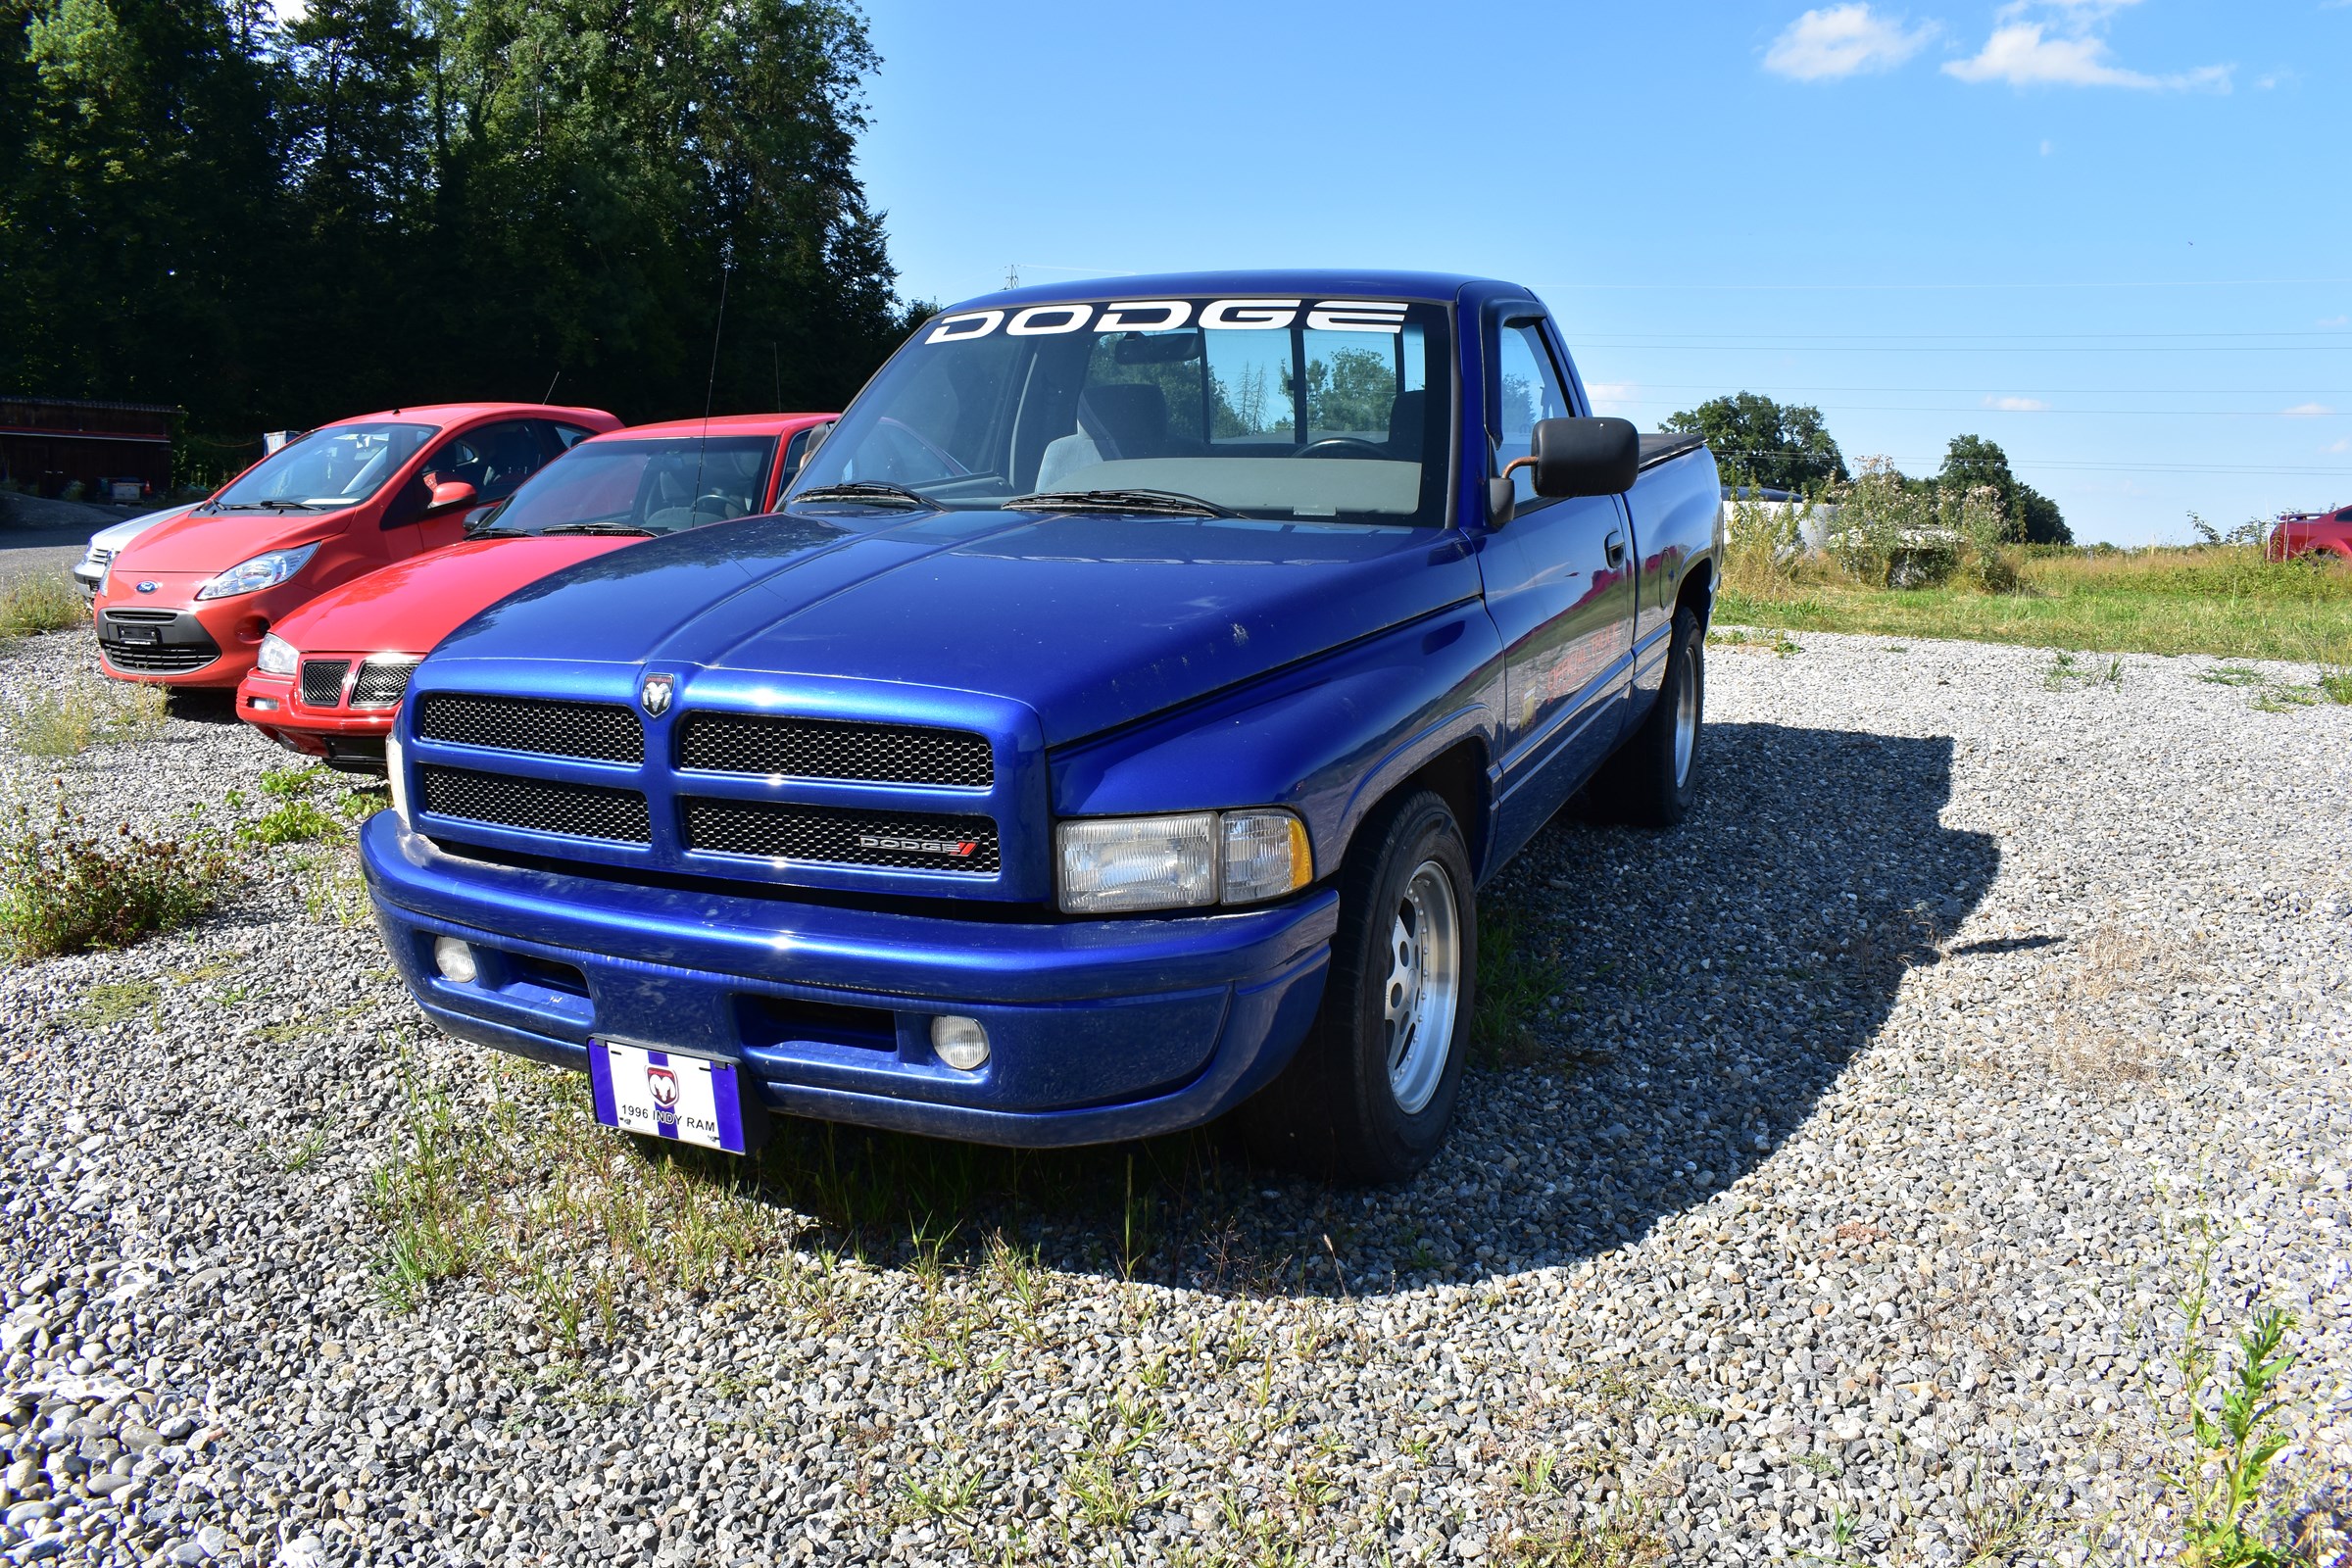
x=2222, y=600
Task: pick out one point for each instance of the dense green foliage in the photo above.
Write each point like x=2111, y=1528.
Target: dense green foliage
x=68, y=887
x=409, y=201
x=1759, y=442
x=1971, y=462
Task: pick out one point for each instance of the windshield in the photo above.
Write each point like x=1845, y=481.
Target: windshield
x=1270, y=408
x=341, y=466
x=658, y=485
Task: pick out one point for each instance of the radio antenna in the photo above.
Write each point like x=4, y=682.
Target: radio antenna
x=711, y=387
x=550, y=383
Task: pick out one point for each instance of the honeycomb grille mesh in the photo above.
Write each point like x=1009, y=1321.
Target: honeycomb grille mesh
x=965, y=845
x=382, y=682
x=821, y=747
x=602, y=732
x=322, y=682
x=579, y=810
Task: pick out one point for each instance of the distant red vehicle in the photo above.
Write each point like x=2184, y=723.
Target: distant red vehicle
x=2310, y=533
x=330, y=676
x=189, y=601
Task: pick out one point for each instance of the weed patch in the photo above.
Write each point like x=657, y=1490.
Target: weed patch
x=66, y=887
x=117, y=1002
x=39, y=602
x=297, y=821
x=2239, y=1426
x=1514, y=982
x=1777, y=642
x=69, y=723
x=2067, y=672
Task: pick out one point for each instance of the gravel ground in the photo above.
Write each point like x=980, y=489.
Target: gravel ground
x=1834, y=1205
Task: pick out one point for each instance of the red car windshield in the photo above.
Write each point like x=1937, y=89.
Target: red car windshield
x=658, y=485
x=340, y=466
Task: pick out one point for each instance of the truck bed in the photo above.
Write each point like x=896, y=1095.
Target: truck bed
x=1658, y=446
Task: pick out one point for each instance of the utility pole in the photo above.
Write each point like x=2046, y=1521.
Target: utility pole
x=1012, y=274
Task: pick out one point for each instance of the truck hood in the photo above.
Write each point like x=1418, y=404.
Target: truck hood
x=1089, y=620
x=410, y=606
x=193, y=543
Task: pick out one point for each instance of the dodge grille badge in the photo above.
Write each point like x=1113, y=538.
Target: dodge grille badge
x=655, y=693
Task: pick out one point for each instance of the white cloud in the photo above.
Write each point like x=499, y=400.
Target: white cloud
x=1838, y=41
x=2343, y=445
x=1611, y=395
x=2306, y=411
x=2335, y=321
x=2063, y=48
x=2017, y=405
x=2047, y=148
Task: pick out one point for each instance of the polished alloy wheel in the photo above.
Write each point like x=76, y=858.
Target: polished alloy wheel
x=1424, y=988
x=1686, y=727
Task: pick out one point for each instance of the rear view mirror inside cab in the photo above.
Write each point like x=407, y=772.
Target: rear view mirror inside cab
x=1156, y=348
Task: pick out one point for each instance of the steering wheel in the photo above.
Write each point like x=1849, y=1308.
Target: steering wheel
x=1315, y=449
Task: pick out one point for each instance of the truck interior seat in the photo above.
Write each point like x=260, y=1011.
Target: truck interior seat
x=1405, y=414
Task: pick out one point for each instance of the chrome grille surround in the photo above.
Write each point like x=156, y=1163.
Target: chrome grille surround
x=322, y=682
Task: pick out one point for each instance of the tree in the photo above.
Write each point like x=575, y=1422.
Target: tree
x=2032, y=518
x=1759, y=442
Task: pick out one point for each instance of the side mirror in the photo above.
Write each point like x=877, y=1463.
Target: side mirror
x=1583, y=456
x=450, y=494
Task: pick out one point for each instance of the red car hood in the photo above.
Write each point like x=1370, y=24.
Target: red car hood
x=214, y=544
x=411, y=605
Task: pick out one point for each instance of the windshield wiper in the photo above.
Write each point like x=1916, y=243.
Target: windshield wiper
x=1166, y=503
x=261, y=506
x=500, y=533
x=592, y=527
x=872, y=492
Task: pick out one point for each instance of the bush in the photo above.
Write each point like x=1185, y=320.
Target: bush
x=1763, y=541
x=1891, y=534
x=295, y=822
x=39, y=601
x=66, y=887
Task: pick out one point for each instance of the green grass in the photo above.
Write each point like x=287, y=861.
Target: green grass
x=295, y=822
x=2220, y=600
x=67, y=723
x=38, y=602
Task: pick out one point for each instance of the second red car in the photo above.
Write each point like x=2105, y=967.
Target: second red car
x=330, y=677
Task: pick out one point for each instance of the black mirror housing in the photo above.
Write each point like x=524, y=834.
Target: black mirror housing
x=1584, y=457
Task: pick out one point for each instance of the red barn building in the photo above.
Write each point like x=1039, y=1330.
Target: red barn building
x=48, y=443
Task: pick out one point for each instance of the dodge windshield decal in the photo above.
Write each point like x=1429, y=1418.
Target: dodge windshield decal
x=1166, y=316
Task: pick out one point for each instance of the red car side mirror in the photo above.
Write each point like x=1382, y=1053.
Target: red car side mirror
x=450, y=493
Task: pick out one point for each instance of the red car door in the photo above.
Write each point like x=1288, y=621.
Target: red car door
x=493, y=458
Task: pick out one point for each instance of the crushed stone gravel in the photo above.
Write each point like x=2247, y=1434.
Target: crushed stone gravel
x=1834, y=1205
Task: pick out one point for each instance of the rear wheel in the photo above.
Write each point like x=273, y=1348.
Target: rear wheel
x=1653, y=779
x=1371, y=1093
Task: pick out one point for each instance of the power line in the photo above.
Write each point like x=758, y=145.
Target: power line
x=1939, y=288
x=1977, y=408
x=2041, y=391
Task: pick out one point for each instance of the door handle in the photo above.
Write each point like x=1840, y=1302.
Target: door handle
x=1614, y=544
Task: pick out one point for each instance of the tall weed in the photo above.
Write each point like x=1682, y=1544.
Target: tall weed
x=67, y=887
x=39, y=602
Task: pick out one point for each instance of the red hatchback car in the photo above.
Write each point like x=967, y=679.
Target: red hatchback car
x=188, y=603
x=330, y=676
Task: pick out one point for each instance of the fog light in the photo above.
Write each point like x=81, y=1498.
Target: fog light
x=454, y=961
x=960, y=1043
x=266, y=704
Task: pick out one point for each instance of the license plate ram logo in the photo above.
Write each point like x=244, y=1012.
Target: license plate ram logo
x=960, y=849
x=663, y=1085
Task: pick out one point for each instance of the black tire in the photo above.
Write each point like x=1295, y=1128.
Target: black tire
x=1652, y=780
x=1337, y=1110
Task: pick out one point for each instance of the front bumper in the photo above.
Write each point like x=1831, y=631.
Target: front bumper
x=349, y=740
x=196, y=642
x=1099, y=1030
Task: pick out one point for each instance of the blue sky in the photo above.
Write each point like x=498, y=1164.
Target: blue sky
x=2111, y=236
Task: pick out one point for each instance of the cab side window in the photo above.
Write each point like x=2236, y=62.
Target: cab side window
x=494, y=458
x=1523, y=386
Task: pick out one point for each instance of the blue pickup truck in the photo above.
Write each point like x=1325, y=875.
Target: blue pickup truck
x=1109, y=732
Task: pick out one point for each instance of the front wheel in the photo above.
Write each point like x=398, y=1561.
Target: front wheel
x=1371, y=1093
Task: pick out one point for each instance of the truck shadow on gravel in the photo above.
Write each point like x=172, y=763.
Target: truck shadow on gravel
x=1660, y=1012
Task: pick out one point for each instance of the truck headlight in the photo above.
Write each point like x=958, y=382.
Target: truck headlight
x=264, y=570
x=279, y=656
x=1111, y=866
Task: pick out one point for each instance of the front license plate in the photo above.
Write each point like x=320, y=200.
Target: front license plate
x=148, y=635
x=667, y=1093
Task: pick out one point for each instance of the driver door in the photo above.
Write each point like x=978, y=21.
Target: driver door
x=1559, y=580
x=495, y=459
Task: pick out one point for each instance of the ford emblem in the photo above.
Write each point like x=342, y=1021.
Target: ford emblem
x=655, y=693
x=145, y=587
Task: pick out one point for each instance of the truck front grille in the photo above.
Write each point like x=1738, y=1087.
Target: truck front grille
x=956, y=844
x=382, y=682
x=824, y=748
x=322, y=682
x=601, y=732
x=536, y=806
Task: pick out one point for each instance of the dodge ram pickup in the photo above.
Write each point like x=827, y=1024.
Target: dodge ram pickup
x=1109, y=733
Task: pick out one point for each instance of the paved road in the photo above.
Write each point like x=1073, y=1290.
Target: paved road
x=41, y=536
